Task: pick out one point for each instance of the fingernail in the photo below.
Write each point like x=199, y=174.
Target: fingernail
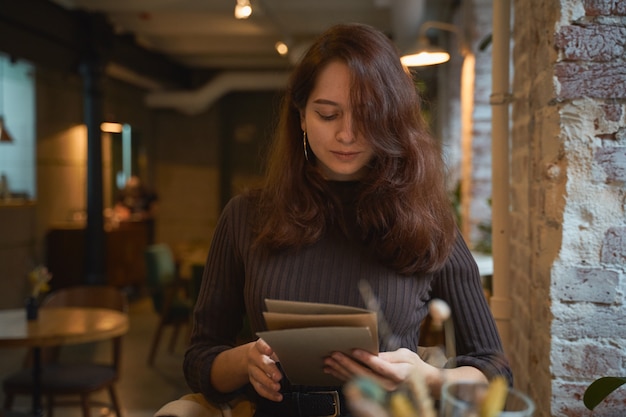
x=357, y=353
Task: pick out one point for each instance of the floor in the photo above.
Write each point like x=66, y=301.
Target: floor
x=142, y=390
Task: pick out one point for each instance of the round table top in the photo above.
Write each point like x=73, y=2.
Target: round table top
x=60, y=326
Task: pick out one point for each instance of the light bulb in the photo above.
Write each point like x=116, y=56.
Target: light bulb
x=243, y=9
x=425, y=58
x=281, y=48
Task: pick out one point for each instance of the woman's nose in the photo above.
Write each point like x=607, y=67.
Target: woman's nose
x=346, y=132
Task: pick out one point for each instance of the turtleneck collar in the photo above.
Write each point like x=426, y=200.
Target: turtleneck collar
x=346, y=191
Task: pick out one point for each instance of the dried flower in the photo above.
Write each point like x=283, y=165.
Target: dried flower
x=366, y=398
x=38, y=279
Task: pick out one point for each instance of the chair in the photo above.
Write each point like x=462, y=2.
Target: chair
x=171, y=297
x=61, y=378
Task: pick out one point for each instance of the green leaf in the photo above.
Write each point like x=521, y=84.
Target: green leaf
x=600, y=389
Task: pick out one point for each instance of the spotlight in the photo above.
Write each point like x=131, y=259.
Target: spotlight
x=281, y=48
x=243, y=9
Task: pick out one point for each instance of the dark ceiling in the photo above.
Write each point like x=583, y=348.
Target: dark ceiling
x=180, y=44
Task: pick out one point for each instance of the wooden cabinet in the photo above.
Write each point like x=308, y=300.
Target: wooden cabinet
x=124, y=245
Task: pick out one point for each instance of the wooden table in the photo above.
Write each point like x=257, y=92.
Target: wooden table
x=57, y=326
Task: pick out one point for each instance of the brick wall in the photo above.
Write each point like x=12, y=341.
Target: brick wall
x=568, y=222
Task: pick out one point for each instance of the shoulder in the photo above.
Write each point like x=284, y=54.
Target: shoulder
x=239, y=210
x=236, y=222
x=239, y=203
x=460, y=261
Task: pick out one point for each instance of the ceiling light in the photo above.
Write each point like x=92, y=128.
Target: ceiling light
x=424, y=53
x=281, y=48
x=110, y=127
x=243, y=9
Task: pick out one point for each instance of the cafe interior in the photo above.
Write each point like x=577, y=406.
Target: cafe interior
x=178, y=99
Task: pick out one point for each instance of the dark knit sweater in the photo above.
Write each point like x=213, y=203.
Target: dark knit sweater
x=238, y=278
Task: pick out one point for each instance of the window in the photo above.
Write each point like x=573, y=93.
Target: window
x=17, y=107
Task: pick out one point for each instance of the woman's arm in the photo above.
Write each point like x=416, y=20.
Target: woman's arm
x=477, y=339
x=218, y=313
x=214, y=365
x=390, y=369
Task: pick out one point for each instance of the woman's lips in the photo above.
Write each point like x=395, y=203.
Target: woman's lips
x=345, y=156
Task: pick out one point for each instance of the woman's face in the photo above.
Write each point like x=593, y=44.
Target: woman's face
x=327, y=121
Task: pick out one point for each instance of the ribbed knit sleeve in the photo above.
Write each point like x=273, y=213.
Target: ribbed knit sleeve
x=219, y=311
x=477, y=340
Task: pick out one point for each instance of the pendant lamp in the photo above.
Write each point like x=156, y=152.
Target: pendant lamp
x=4, y=133
x=425, y=53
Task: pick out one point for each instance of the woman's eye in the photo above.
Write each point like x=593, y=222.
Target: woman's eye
x=327, y=116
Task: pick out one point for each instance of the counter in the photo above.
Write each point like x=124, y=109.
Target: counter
x=17, y=249
x=124, y=259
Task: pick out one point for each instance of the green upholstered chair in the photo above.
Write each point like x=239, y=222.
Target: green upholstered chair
x=171, y=296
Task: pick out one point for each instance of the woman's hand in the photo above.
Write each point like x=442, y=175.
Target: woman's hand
x=263, y=372
x=388, y=369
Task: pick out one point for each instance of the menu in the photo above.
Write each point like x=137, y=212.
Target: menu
x=302, y=334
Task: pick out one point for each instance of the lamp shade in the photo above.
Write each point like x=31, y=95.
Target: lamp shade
x=424, y=57
x=425, y=53
x=4, y=133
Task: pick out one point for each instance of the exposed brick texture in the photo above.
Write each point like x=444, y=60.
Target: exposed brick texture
x=591, y=79
x=597, y=324
x=568, y=205
x=578, y=357
x=614, y=246
x=605, y=7
x=595, y=285
x=568, y=402
x=591, y=43
x=613, y=112
x=613, y=161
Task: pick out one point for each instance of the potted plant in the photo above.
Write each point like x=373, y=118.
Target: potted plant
x=38, y=279
x=600, y=389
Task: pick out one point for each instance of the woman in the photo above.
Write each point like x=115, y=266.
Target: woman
x=354, y=191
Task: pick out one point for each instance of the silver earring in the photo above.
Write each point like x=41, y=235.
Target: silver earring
x=306, y=154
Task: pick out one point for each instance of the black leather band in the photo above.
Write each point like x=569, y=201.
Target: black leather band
x=302, y=404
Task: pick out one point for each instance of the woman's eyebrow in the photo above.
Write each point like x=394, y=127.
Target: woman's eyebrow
x=325, y=101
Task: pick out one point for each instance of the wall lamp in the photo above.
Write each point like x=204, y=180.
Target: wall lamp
x=243, y=9
x=425, y=53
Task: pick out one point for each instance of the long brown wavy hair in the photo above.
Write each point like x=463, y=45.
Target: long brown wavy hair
x=403, y=212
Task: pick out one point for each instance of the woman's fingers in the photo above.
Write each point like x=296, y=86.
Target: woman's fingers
x=346, y=368
x=265, y=385
x=389, y=369
x=337, y=368
x=263, y=373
